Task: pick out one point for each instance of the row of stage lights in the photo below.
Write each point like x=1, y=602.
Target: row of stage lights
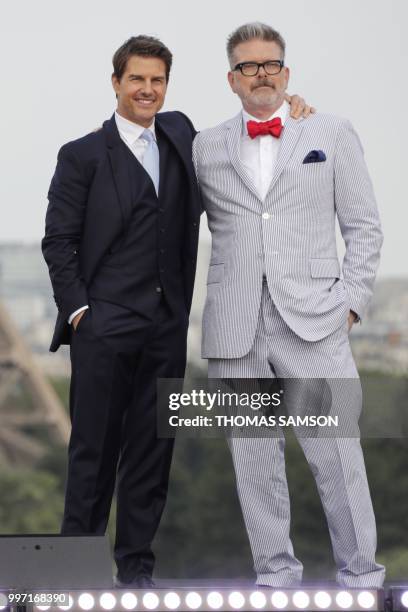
x=244, y=600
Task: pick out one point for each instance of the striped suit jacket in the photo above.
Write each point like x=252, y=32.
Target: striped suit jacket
x=290, y=236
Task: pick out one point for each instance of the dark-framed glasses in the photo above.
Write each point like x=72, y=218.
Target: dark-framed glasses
x=252, y=68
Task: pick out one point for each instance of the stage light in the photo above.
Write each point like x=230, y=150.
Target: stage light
x=150, y=601
x=399, y=598
x=366, y=599
x=67, y=606
x=344, y=600
x=322, y=600
x=3, y=601
x=404, y=599
x=215, y=600
x=86, y=601
x=301, y=599
x=172, y=601
x=279, y=600
x=194, y=600
x=129, y=601
x=107, y=601
x=236, y=600
x=257, y=600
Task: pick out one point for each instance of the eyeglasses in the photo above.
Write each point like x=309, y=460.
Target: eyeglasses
x=252, y=68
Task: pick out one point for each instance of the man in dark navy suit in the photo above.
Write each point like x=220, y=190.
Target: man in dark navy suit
x=121, y=242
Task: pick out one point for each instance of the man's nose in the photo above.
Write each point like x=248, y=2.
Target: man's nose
x=147, y=87
x=261, y=72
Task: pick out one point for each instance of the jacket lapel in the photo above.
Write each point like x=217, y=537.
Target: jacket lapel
x=290, y=135
x=119, y=165
x=183, y=148
x=234, y=133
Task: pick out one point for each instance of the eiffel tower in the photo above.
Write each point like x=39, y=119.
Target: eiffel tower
x=27, y=400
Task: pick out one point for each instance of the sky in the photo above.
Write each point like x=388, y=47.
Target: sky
x=348, y=58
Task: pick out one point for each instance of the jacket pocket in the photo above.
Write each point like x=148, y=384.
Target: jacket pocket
x=82, y=321
x=324, y=268
x=113, y=257
x=215, y=273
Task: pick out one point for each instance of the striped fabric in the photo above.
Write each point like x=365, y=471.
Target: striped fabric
x=336, y=462
x=289, y=236
x=295, y=325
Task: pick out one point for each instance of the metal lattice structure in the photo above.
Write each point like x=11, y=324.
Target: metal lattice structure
x=27, y=399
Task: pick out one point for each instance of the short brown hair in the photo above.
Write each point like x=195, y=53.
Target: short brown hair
x=250, y=31
x=145, y=46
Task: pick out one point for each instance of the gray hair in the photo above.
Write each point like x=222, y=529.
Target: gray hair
x=250, y=31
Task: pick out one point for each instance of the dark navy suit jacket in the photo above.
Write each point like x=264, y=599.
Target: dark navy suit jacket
x=90, y=204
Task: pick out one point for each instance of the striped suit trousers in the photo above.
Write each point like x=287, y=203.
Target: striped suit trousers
x=337, y=463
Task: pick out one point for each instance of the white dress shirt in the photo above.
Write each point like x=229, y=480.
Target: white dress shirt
x=130, y=134
x=259, y=154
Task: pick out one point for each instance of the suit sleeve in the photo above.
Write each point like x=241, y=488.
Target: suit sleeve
x=194, y=135
x=358, y=218
x=67, y=198
x=195, y=164
x=195, y=156
x=189, y=123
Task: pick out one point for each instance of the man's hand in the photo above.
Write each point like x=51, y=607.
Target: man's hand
x=351, y=319
x=298, y=107
x=77, y=319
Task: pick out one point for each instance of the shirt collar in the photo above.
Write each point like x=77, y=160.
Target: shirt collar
x=130, y=131
x=282, y=112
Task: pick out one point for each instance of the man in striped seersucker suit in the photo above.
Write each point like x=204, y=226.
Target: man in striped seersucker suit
x=277, y=304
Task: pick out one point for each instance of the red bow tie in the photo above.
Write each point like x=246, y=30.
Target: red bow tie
x=273, y=127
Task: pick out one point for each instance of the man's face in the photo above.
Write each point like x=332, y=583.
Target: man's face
x=262, y=92
x=141, y=90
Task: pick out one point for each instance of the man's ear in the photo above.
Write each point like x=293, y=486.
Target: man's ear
x=231, y=80
x=115, y=83
x=287, y=74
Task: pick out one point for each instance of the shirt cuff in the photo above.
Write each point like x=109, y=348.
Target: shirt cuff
x=74, y=314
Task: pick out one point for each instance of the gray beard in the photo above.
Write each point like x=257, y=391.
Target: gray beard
x=264, y=99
